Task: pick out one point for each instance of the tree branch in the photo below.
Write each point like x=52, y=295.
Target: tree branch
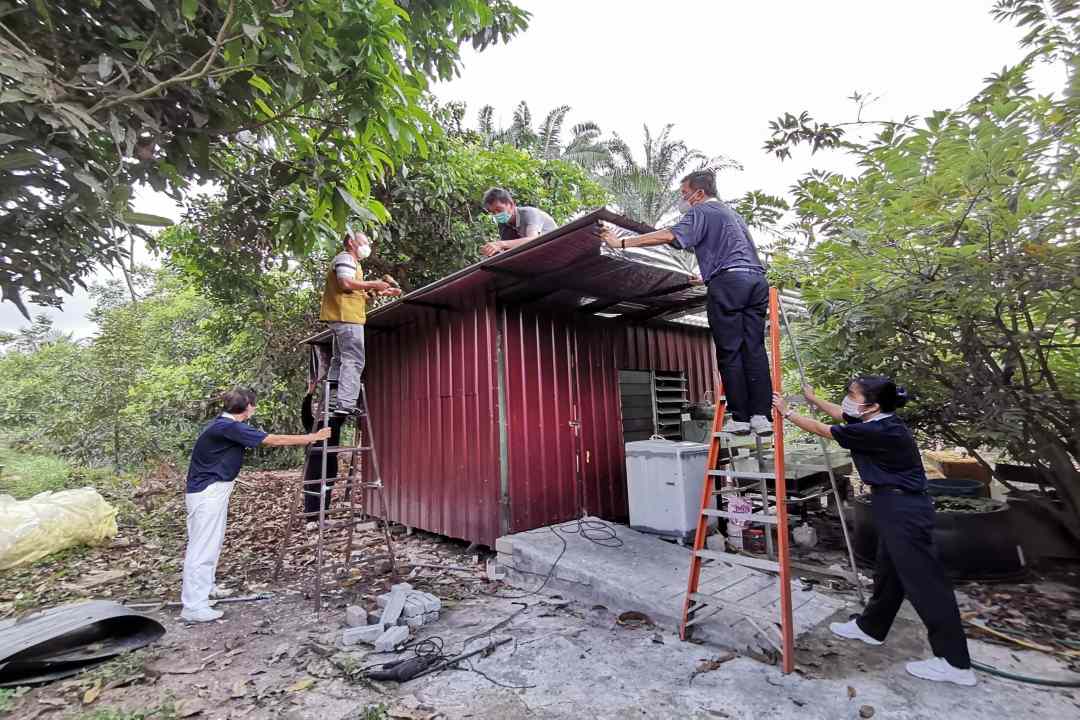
x=187, y=76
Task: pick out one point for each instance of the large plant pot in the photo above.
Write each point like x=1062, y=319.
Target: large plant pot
x=974, y=545
x=1040, y=532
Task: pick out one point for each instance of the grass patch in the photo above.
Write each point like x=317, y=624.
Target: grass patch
x=158, y=713
x=7, y=699
x=374, y=712
x=26, y=474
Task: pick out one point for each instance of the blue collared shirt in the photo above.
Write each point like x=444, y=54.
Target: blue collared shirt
x=719, y=238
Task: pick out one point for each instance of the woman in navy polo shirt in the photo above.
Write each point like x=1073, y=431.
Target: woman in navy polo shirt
x=907, y=564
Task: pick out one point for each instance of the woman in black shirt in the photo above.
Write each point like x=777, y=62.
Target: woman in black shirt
x=907, y=563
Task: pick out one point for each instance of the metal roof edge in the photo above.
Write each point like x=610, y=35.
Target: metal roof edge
x=584, y=221
x=538, y=242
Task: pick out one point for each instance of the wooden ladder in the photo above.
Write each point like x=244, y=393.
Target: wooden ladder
x=348, y=517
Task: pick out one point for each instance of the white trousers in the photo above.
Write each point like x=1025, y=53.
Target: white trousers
x=206, y=513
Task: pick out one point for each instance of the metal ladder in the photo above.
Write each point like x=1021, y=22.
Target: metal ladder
x=356, y=488
x=698, y=606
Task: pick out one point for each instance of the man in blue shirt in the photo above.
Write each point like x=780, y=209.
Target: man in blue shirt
x=738, y=297
x=215, y=463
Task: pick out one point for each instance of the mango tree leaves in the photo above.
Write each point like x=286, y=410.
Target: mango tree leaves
x=170, y=92
x=950, y=263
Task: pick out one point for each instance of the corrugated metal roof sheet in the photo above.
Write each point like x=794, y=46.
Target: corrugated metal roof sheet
x=569, y=267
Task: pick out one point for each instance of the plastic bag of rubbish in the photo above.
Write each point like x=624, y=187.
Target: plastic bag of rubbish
x=52, y=521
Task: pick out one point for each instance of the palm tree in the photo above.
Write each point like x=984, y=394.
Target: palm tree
x=649, y=192
x=585, y=147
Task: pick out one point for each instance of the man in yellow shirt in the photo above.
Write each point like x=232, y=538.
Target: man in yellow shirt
x=344, y=307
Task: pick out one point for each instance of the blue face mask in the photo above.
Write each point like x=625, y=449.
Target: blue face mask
x=501, y=217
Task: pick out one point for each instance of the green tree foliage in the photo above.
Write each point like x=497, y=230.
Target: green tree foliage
x=138, y=392
x=585, y=147
x=296, y=108
x=648, y=190
x=952, y=262
x=230, y=309
x=438, y=223
x=434, y=200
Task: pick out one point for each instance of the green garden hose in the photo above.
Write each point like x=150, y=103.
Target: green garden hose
x=1024, y=678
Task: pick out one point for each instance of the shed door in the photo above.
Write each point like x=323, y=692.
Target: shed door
x=543, y=419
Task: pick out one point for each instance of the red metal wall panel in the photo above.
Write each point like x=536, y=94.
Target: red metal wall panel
x=563, y=369
x=431, y=386
x=433, y=392
x=540, y=409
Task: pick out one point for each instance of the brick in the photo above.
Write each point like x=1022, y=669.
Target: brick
x=391, y=638
x=356, y=616
x=414, y=605
x=431, y=602
x=394, y=606
x=381, y=600
x=504, y=545
x=366, y=634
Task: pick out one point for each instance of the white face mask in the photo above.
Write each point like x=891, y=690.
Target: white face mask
x=684, y=202
x=363, y=251
x=850, y=407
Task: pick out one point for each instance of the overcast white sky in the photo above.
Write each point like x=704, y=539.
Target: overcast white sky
x=720, y=71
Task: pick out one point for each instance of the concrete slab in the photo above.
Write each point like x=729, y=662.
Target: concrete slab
x=649, y=575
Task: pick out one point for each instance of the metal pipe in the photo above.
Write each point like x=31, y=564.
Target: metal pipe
x=828, y=459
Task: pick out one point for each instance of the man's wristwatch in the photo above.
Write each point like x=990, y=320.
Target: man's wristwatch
x=623, y=241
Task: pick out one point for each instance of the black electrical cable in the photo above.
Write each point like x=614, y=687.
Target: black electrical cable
x=597, y=532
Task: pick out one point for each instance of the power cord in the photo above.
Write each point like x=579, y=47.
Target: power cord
x=595, y=531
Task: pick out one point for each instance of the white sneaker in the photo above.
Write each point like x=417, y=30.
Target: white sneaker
x=851, y=631
x=939, y=670
x=200, y=616
x=734, y=427
x=217, y=593
x=761, y=425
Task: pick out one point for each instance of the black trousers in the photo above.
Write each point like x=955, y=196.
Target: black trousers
x=314, y=472
x=737, y=306
x=313, y=466
x=908, y=566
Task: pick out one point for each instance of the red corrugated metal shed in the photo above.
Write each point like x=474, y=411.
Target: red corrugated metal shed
x=494, y=392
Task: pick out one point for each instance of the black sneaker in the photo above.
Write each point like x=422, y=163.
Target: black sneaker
x=342, y=413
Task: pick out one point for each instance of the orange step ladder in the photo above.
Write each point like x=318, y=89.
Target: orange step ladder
x=696, y=602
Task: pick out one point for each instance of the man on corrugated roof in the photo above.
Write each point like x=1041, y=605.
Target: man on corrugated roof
x=517, y=224
x=738, y=298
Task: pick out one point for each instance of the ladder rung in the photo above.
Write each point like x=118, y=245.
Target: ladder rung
x=341, y=448
x=331, y=511
x=365, y=486
x=741, y=560
x=333, y=479
x=742, y=475
x=752, y=518
x=357, y=524
x=716, y=602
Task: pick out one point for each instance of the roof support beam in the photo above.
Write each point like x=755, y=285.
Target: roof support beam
x=653, y=313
